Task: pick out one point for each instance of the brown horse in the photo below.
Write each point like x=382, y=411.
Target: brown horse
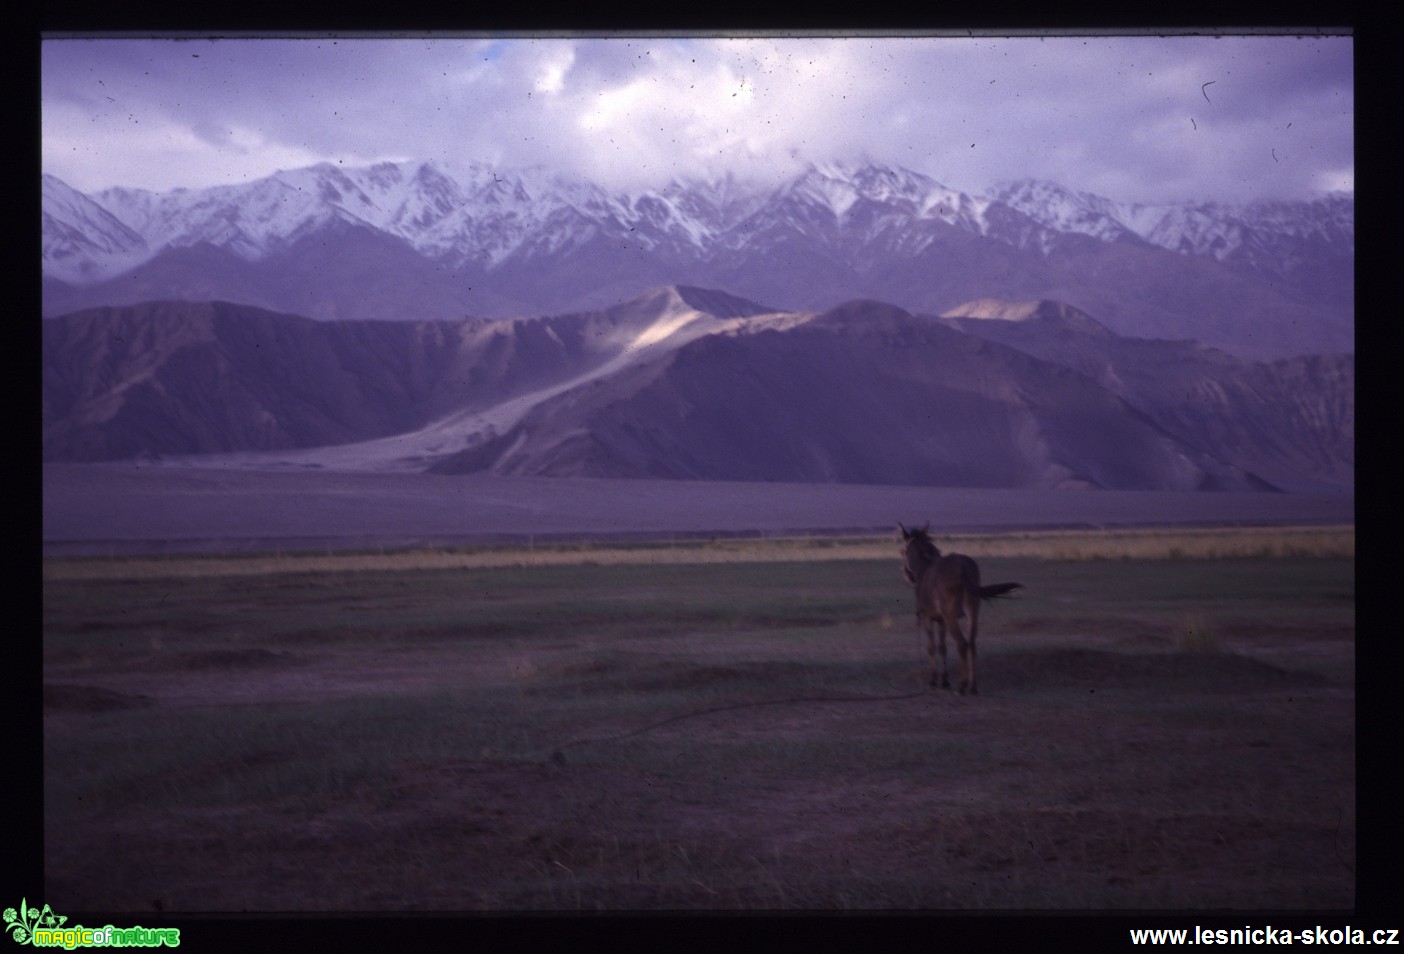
x=947, y=590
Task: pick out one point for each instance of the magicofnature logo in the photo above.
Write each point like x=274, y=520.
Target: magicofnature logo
x=43, y=928
x=21, y=923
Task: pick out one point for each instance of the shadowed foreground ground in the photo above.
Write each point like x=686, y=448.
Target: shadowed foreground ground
x=1151, y=734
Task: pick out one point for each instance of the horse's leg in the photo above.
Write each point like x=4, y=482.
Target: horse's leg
x=974, y=614
x=945, y=679
x=966, y=663
x=924, y=628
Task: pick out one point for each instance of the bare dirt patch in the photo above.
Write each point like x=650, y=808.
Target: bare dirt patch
x=217, y=659
x=71, y=698
x=1167, y=671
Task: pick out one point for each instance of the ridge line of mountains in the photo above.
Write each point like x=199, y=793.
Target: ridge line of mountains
x=424, y=241
x=689, y=383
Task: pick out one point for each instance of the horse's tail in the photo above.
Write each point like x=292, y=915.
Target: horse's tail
x=997, y=590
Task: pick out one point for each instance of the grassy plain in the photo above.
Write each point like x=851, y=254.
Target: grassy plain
x=1166, y=721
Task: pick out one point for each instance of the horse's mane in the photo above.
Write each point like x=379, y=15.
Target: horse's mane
x=921, y=553
x=921, y=539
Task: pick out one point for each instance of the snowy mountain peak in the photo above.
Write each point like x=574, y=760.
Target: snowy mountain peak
x=1193, y=228
x=82, y=241
x=1066, y=211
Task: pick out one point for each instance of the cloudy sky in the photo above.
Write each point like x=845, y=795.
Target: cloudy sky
x=1134, y=118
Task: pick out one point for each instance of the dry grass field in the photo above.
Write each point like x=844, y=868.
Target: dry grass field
x=1166, y=722
x=1129, y=544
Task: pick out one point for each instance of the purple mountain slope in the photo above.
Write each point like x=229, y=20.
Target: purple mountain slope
x=688, y=383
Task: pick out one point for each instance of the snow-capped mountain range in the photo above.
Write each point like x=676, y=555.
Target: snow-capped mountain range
x=426, y=240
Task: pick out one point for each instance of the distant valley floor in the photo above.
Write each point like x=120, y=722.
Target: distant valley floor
x=127, y=508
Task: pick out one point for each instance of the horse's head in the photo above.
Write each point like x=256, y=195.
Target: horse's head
x=918, y=552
